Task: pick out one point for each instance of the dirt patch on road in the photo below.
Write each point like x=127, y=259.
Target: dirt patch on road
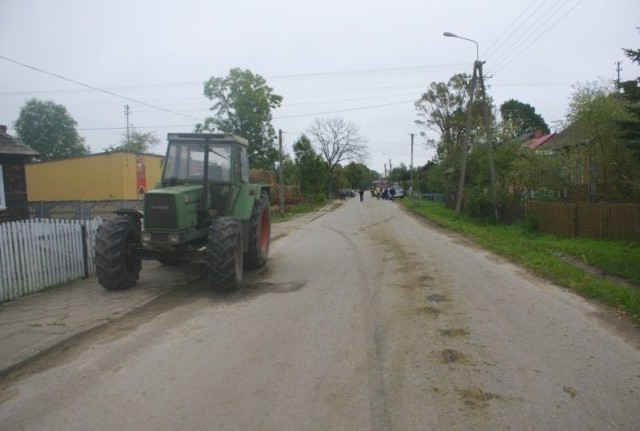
x=417, y=300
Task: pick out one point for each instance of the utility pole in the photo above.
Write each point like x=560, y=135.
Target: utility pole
x=477, y=75
x=477, y=72
x=281, y=204
x=489, y=143
x=618, y=70
x=127, y=112
x=411, y=164
x=465, y=141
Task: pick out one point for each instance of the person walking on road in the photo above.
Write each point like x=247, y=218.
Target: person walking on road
x=361, y=193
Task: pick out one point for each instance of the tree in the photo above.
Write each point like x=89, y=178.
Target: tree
x=595, y=116
x=632, y=54
x=242, y=105
x=443, y=109
x=290, y=174
x=520, y=118
x=137, y=142
x=631, y=95
x=49, y=129
x=339, y=140
x=532, y=174
x=431, y=178
x=312, y=170
x=358, y=175
x=400, y=174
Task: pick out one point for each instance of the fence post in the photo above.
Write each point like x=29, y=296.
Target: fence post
x=85, y=250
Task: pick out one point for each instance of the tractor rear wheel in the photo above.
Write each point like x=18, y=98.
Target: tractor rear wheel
x=116, y=266
x=224, y=250
x=259, y=233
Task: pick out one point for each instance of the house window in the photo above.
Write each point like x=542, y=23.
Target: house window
x=3, y=202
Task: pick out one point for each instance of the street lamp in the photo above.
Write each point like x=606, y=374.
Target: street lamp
x=449, y=34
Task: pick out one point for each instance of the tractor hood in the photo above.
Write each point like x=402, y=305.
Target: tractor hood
x=179, y=189
x=173, y=207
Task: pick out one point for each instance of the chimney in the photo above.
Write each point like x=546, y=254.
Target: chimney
x=3, y=128
x=538, y=134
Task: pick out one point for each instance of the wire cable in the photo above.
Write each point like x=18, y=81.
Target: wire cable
x=531, y=28
x=498, y=43
x=102, y=90
x=336, y=111
x=506, y=61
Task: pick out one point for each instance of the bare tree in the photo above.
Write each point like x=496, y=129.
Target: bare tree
x=339, y=140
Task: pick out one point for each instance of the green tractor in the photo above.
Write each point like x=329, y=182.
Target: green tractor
x=204, y=208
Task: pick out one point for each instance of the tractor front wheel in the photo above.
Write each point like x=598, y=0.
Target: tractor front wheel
x=224, y=250
x=116, y=266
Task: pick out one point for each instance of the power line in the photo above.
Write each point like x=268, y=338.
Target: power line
x=506, y=61
x=84, y=129
x=530, y=28
x=526, y=28
x=488, y=53
x=533, y=30
x=374, y=71
x=336, y=111
x=96, y=88
x=356, y=72
x=82, y=90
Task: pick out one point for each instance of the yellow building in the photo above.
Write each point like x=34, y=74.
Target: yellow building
x=97, y=177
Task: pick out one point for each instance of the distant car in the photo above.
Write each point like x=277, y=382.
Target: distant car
x=399, y=192
x=351, y=193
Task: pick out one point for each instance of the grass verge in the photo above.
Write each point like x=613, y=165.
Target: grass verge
x=594, y=268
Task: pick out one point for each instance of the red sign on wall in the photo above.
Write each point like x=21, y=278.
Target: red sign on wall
x=141, y=176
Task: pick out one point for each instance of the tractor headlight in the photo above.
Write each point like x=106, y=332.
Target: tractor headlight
x=146, y=237
x=174, y=238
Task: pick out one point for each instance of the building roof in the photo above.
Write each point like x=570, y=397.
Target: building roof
x=538, y=140
x=567, y=138
x=86, y=156
x=13, y=146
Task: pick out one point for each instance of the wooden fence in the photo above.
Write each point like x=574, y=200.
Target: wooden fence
x=617, y=222
x=37, y=254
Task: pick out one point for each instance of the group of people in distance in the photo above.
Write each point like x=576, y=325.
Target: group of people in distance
x=383, y=193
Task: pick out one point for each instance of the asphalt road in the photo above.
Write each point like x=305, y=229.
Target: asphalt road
x=364, y=319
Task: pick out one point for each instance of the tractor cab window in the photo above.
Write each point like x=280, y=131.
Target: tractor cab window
x=186, y=161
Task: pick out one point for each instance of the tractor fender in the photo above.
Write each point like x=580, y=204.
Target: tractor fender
x=245, y=198
x=135, y=214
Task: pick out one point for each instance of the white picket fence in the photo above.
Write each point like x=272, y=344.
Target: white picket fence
x=37, y=254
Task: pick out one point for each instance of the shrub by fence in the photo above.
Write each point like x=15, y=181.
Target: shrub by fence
x=37, y=254
x=617, y=222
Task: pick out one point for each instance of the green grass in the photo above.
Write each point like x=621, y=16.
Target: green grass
x=554, y=258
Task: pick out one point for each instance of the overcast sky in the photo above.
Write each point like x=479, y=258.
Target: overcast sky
x=364, y=60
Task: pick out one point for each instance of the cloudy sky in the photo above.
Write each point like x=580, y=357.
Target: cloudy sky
x=364, y=60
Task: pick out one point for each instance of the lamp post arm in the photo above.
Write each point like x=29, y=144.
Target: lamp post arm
x=477, y=47
x=448, y=34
